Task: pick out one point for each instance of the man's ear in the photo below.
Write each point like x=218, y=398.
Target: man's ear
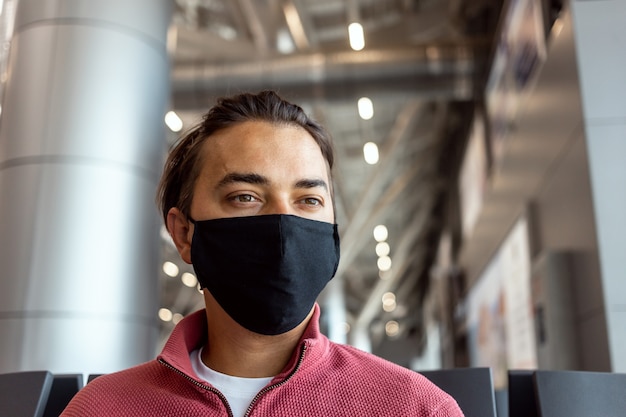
x=179, y=227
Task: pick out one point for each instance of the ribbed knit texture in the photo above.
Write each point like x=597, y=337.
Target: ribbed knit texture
x=331, y=380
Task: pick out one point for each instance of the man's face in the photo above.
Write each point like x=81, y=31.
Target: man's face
x=256, y=168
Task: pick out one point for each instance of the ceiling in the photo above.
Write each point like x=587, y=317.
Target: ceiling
x=423, y=66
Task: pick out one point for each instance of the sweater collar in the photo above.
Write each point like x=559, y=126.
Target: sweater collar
x=191, y=333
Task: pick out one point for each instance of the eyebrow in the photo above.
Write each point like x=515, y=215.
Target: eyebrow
x=312, y=183
x=257, y=179
x=248, y=178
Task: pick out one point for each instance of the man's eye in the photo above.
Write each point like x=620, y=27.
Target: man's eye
x=244, y=198
x=312, y=201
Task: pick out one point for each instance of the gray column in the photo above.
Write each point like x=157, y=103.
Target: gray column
x=335, y=310
x=600, y=34
x=81, y=141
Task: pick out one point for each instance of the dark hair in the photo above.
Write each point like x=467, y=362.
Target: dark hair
x=184, y=163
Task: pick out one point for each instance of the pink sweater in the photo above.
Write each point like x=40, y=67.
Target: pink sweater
x=321, y=379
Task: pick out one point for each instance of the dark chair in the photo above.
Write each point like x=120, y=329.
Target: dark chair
x=522, y=401
x=580, y=394
x=64, y=387
x=24, y=394
x=472, y=388
x=91, y=377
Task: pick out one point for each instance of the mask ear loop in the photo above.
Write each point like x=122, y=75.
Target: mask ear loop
x=191, y=220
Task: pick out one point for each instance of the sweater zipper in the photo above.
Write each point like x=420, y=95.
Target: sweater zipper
x=206, y=387
x=278, y=384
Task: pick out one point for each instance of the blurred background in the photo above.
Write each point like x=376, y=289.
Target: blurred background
x=479, y=177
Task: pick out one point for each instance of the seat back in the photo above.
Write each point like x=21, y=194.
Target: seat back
x=522, y=402
x=580, y=394
x=472, y=388
x=24, y=394
x=64, y=387
x=91, y=377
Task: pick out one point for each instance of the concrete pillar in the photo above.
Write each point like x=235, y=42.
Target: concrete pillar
x=81, y=141
x=335, y=310
x=600, y=36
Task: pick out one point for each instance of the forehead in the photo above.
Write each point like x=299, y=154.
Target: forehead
x=254, y=145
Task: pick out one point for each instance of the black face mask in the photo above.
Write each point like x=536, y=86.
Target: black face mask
x=265, y=271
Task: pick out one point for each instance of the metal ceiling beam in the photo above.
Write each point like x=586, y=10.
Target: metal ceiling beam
x=299, y=24
x=449, y=68
x=257, y=30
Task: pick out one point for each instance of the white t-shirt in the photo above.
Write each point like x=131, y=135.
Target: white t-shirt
x=238, y=391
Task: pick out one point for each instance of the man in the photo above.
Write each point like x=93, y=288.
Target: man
x=247, y=198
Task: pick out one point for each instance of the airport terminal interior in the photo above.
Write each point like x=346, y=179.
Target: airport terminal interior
x=478, y=185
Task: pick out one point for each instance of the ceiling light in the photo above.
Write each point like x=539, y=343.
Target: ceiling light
x=346, y=327
x=355, y=34
x=380, y=233
x=225, y=31
x=165, y=314
x=370, y=153
x=173, y=121
x=389, y=302
x=388, y=298
x=170, y=269
x=284, y=43
x=392, y=328
x=366, y=108
x=389, y=307
x=382, y=249
x=384, y=263
x=189, y=279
